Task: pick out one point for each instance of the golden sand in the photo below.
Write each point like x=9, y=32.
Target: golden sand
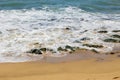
x=89, y=69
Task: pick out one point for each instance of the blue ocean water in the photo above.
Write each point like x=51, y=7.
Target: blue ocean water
x=103, y=6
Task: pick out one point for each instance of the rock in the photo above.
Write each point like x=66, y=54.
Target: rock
x=85, y=38
x=112, y=53
x=111, y=40
x=43, y=49
x=69, y=47
x=35, y=51
x=102, y=31
x=67, y=28
x=61, y=49
x=94, y=51
x=94, y=46
x=115, y=36
x=116, y=31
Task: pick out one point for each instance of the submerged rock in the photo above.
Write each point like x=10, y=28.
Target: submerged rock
x=85, y=38
x=116, y=31
x=115, y=36
x=111, y=40
x=43, y=49
x=94, y=46
x=61, y=49
x=69, y=47
x=94, y=51
x=67, y=28
x=35, y=51
x=102, y=31
x=112, y=53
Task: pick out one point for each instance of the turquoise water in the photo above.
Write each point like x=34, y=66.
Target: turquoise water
x=103, y=6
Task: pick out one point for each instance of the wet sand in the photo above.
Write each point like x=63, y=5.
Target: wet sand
x=71, y=67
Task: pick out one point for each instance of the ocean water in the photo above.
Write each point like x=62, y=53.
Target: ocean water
x=29, y=24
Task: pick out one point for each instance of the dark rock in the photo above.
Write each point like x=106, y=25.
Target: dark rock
x=61, y=49
x=85, y=38
x=116, y=31
x=69, y=47
x=102, y=31
x=111, y=40
x=94, y=46
x=116, y=77
x=67, y=28
x=112, y=53
x=53, y=19
x=35, y=51
x=94, y=51
x=43, y=49
x=115, y=36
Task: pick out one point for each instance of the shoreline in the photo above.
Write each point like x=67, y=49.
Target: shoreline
x=80, y=54
x=84, y=65
x=88, y=69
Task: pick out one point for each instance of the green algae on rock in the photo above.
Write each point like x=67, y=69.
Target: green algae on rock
x=111, y=40
x=103, y=31
x=93, y=45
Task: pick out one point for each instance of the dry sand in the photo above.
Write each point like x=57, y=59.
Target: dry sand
x=89, y=69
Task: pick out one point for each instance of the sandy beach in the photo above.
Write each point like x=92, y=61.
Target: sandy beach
x=59, y=39
x=85, y=69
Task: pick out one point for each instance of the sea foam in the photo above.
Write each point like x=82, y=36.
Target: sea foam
x=20, y=30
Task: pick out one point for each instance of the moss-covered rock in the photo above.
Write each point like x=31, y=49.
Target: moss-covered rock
x=103, y=31
x=69, y=47
x=115, y=36
x=43, y=49
x=61, y=49
x=94, y=46
x=111, y=40
x=116, y=31
x=35, y=51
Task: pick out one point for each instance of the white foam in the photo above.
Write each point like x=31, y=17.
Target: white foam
x=22, y=28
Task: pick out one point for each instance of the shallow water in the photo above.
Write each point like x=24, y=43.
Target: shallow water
x=25, y=25
x=109, y=6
